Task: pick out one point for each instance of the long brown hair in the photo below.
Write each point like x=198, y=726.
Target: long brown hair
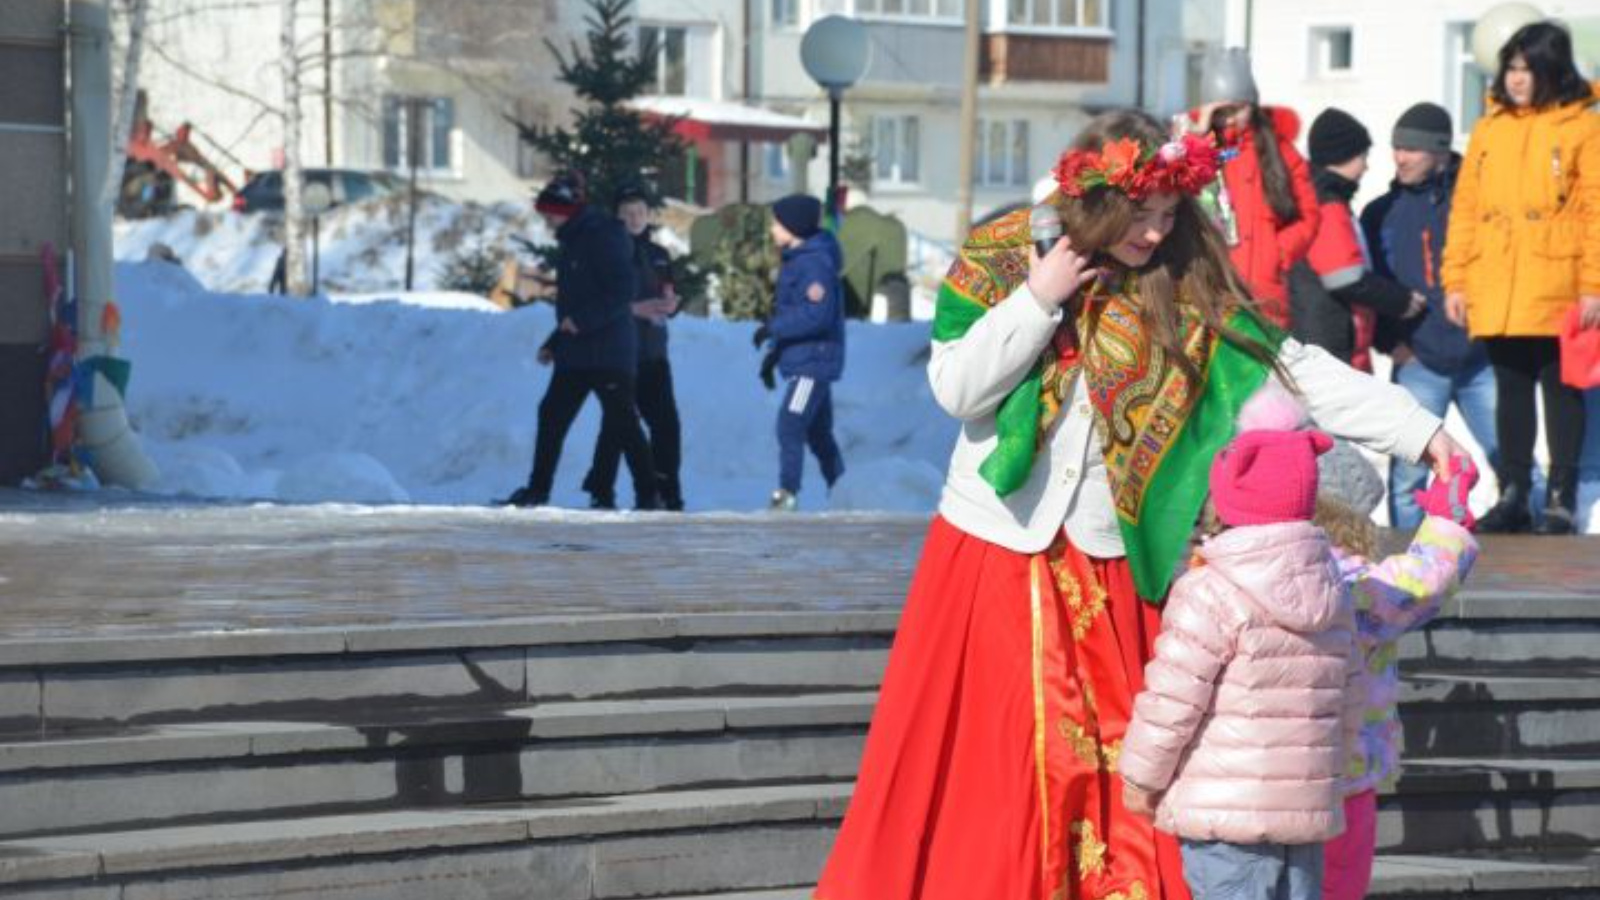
x=1191, y=264
x=1275, y=183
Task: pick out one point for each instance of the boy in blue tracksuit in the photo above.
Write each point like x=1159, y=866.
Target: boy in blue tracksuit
x=807, y=336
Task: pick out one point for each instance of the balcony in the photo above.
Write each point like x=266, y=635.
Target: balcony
x=1050, y=58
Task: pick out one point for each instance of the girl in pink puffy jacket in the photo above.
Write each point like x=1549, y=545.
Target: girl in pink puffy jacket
x=1250, y=707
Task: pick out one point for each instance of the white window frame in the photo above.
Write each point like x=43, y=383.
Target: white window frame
x=1459, y=87
x=794, y=16
x=1014, y=173
x=660, y=29
x=429, y=166
x=873, y=11
x=895, y=175
x=1000, y=19
x=1319, y=51
x=775, y=165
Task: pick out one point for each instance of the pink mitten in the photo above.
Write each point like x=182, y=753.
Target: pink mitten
x=1447, y=498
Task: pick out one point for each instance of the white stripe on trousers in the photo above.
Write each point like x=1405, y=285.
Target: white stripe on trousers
x=801, y=396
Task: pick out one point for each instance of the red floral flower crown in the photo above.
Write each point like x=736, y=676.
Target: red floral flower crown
x=1185, y=166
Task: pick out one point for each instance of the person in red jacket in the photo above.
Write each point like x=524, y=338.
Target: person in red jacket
x=1264, y=203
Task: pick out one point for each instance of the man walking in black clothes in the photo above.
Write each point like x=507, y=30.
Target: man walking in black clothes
x=595, y=346
x=653, y=387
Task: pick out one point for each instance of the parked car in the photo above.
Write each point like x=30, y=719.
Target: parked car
x=264, y=191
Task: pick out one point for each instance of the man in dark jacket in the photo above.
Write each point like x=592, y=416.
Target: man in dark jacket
x=1335, y=295
x=1434, y=358
x=594, y=347
x=806, y=331
x=655, y=303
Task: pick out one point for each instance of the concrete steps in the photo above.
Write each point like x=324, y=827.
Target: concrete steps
x=233, y=770
x=721, y=844
x=646, y=845
x=64, y=685
x=661, y=756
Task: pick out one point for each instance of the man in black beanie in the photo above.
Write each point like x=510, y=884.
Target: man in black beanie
x=1334, y=297
x=595, y=345
x=1433, y=357
x=806, y=331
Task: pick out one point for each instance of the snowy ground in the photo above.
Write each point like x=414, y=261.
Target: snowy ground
x=431, y=399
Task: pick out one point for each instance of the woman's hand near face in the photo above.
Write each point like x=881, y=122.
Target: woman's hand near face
x=1057, y=276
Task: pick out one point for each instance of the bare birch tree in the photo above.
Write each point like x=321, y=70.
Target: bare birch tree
x=293, y=202
x=137, y=12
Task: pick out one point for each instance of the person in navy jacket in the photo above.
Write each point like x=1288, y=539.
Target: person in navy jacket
x=1434, y=358
x=595, y=345
x=806, y=332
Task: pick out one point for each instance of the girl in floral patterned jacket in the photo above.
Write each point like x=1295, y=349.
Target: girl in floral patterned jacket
x=1391, y=596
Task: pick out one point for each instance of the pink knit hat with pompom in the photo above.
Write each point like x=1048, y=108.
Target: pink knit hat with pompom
x=1268, y=474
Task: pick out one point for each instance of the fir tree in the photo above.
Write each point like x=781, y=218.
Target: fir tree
x=609, y=143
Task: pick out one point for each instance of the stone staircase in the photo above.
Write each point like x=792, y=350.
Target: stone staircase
x=648, y=756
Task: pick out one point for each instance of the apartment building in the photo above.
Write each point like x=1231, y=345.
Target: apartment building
x=729, y=68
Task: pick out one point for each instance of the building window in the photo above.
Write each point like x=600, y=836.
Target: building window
x=912, y=9
x=1003, y=153
x=1057, y=13
x=896, y=149
x=672, y=67
x=1332, y=50
x=1465, y=83
x=775, y=162
x=786, y=13
x=433, y=138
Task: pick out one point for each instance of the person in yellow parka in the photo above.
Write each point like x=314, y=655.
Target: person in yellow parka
x=1523, y=247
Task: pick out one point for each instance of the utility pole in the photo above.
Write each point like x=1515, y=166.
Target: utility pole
x=327, y=83
x=969, y=120
x=413, y=107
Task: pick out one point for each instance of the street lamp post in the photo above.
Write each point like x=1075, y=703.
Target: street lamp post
x=315, y=200
x=835, y=53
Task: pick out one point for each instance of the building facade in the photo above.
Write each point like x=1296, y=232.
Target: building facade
x=33, y=179
x=1045, y=67
x=470, y=69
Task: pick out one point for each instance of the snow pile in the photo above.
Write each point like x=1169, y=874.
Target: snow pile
x=362, y=246
x=432, y=398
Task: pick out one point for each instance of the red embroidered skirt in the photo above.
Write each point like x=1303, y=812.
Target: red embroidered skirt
x=990, y=769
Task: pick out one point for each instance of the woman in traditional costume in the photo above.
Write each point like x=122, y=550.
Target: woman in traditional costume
x=1094, y=385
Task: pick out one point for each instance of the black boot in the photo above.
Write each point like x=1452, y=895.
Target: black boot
x=671, y=495
x=1561, y=501
x=1510, y=515
x=524, y=496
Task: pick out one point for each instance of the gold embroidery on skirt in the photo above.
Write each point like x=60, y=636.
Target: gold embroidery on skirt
x=1084, y=611
x=1091, y=850
x=1087, y=748
x=1080, y=741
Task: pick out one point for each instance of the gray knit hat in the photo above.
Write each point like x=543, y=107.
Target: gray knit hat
x=1425, y=126
x=1344, y=474
x=1225, y=77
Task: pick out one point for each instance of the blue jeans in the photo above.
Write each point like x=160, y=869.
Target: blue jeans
x=1473, y=391
x=806, y=419
x=1218, y=870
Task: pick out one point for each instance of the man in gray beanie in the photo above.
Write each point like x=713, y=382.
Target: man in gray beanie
x=1434, y=358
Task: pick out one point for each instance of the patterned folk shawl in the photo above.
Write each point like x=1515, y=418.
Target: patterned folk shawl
x=1159, y=430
